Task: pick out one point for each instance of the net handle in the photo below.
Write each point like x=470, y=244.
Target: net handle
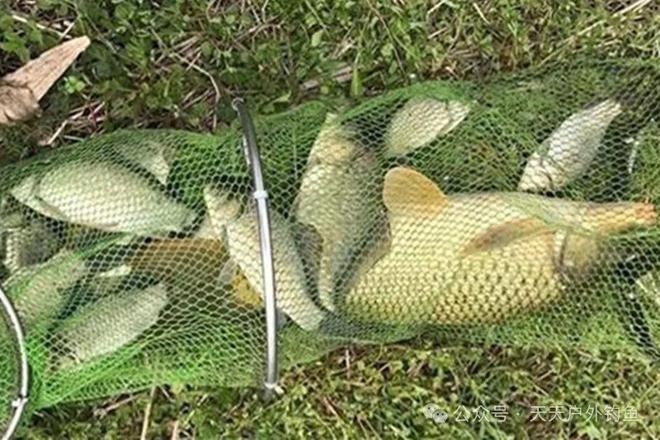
x=18, y=404
x=260, y=196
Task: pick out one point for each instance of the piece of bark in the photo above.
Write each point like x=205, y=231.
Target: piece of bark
x=21, y=90
x=17, y=103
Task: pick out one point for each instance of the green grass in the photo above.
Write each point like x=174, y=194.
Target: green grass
x=178, y=64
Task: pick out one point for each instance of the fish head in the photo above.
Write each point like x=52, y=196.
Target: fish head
x=13, y=222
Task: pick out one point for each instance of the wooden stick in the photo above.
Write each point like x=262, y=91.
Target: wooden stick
x=21, y=90
x=147, y=415
x=40, y=74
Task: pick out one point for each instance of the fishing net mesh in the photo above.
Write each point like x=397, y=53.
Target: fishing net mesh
x=133, y=257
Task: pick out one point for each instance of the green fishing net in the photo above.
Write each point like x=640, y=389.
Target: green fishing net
x=519, y=209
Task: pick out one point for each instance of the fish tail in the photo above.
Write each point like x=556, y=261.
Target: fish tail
x=620, y=216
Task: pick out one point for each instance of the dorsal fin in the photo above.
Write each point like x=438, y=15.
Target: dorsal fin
x=409, y=192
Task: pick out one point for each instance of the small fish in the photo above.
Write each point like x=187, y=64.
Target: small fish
x=152, y=156
x=337, y=201
x=37, y=290
x=479, y=258
x=420, y=121
x=239, y=231
x=25, y=242
x=104, y=196
x=569, y=150
x=105, y=326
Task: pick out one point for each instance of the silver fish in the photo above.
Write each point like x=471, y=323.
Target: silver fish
x=109, y=324
x=240, y=234
x=479, y=258
x=37, y=290
x=337, y=200
x=104, y=196
x=421, y=120
x=569, y=150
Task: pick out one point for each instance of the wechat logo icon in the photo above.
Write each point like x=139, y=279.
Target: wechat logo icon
x=432, y=411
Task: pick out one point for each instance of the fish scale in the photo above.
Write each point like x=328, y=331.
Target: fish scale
x=451, y=291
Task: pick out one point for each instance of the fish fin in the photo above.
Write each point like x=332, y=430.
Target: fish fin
x=409, y=192
x=53, y=211
x=60, y=215
x=228, y=272
x=25, y=190
x=503, y=234
x=206, y=229
x=161, y=170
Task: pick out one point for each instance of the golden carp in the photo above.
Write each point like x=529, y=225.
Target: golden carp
x=478, y=258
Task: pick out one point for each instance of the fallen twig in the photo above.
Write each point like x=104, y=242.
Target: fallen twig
x=147, y=415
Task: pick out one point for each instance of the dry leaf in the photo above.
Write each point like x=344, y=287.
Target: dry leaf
x=20, y=91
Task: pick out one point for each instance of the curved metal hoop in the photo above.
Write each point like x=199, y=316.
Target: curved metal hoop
x=260, y=196
x=22, y=397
